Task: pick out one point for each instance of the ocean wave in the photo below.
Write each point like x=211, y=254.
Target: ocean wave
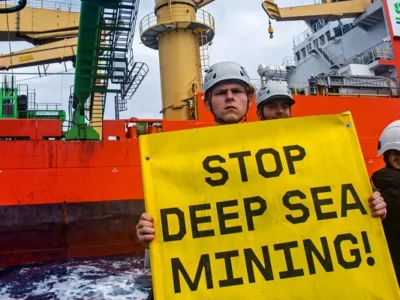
x=111, y=278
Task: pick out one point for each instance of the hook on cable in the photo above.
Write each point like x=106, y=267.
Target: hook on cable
x=270, y=30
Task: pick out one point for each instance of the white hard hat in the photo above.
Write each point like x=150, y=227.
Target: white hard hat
x=390, y=138
x=226, y=70
x=273, y=90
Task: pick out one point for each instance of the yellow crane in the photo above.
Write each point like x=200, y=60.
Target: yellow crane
x=58, y=51
x=177, y=25
x=52, y=28
x=173, y=26
x=326, y=9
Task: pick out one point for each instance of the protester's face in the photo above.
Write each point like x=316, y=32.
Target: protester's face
x=228, y=102
x=276, y=109
x=394, y=159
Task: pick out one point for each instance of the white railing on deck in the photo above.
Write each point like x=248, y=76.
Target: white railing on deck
x=45, y=5
x=308, y=33
x=383, y=50
x=177, y=14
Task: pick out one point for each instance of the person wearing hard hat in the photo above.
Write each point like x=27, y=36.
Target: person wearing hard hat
x=228, y=93
x=274, y=101
x=387, y=181
x=312, y=83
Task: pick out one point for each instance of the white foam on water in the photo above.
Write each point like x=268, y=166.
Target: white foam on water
x=4, y=295
x=112, y=279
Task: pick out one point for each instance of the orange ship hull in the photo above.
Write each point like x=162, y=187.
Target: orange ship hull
x=63, y=199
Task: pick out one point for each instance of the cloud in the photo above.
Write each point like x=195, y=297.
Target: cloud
x=241, y=35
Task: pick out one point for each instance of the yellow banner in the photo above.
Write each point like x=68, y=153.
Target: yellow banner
x=264, y=210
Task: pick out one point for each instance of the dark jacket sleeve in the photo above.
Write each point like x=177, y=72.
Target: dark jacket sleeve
x=392, y=199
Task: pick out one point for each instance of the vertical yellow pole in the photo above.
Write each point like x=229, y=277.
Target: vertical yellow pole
x=178, y=69
x=175, y=35
x=179, y=59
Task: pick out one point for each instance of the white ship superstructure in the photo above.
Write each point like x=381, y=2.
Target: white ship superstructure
x=350, y=55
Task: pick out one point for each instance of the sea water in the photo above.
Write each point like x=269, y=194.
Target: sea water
x=121, y=277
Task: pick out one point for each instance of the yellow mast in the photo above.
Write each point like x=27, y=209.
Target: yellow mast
x=177, y=30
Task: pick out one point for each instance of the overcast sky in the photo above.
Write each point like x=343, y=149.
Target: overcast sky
x=241, y=35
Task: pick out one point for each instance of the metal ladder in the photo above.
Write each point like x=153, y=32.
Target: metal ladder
x=126, y=72
x=110, y=62
x=204, y=55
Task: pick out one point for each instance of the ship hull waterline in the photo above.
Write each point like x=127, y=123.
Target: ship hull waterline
x=63, y=199
x=45, y=232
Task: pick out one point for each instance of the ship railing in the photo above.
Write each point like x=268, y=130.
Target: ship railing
x=257, y=83
x=31, y=98
x=347, y=91
x=176, y=15
x=320, y=1
x=302, y=37
x=308, y=33
x=47, y=106
x=303, y=90
x=288, y=61
x=380, y=51
x=22, y=89
x=48, y=5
